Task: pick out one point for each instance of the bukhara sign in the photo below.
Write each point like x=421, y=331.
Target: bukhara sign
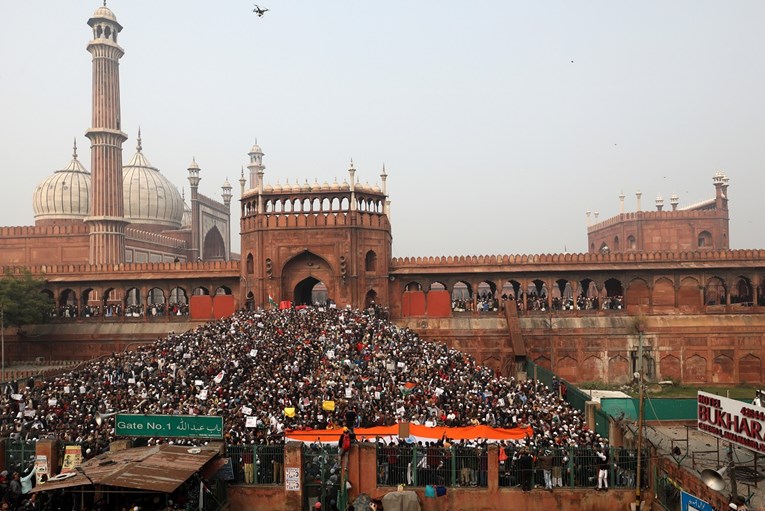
x=184, y=426
x=735, y=421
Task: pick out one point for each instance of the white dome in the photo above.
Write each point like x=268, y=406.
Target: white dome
x=149, y=198
x=65, y=195
x=104, y=12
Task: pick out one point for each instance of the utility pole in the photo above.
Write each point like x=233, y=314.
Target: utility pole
x=640, y=419
x=2, y=342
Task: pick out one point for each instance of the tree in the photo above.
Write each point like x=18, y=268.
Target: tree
x=22, y=301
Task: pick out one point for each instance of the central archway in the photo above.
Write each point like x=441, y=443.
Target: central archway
x=310, y=291
x=307, y=278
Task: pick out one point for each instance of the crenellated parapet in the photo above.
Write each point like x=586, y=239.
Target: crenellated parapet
x=121, y=271
x=160, y=239
x=747, y=257
x=684, y=214
x=43, y=230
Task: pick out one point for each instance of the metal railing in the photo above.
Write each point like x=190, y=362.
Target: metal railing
x=416, y=465
x=257, y=464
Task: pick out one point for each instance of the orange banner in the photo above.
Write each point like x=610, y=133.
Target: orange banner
x=417, y=432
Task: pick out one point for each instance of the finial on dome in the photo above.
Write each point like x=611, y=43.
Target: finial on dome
x=242, y=174
x=139, y=147
x=351, y=163
x=104, y=3
x=74, y=149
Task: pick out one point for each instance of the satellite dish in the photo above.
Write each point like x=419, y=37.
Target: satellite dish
x=714, y=478
x=62, y=477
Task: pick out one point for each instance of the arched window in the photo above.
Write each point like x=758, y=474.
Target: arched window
x=631, y=242
x=705, y=239
x=370, y=262
x=250, y=264
x=616, y=243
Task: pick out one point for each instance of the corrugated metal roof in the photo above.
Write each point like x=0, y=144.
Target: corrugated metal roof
x=161, y=468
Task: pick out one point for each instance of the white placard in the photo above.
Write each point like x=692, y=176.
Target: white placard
x=439, y=391
x=247, y=410
x=67, y=389
x=52, y=402
x=253, y=353
x=187, y=355
x=83, y=389
x=348, y=393
x=331, y=354
x=29, y=413
x=16, y=397
x=131, y=380
x=198, y=383
x=251, y=422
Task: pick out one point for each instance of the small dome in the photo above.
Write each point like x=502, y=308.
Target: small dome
x=104, y=12
x=226, y=184
x=324, y=186
x=256, y=149
x=377, y=188
x=193, y=164
x=65, y=195
x=345, y=185
x=268, y=188
x=149, y=197
x=277, y=187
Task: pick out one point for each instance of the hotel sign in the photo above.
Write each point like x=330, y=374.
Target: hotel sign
x=735, y=421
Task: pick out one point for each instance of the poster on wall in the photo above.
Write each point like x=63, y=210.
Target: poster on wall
x=41, y=467
x=735, y=421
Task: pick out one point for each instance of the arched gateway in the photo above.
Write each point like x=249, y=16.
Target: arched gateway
x=307, y=279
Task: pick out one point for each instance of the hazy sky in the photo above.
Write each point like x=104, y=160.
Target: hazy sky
x=499, y=122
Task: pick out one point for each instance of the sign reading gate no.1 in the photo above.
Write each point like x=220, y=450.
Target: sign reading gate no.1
x=183, y=426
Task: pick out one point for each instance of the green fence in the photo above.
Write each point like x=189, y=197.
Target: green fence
x=572, y=394
x=676, y=409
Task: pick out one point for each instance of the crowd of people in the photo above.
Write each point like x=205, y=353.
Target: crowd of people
x=269, y=371
x=72, y=311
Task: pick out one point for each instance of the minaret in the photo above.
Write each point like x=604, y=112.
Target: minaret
x=384, y=178
x=194, y=180
x=107, y=218
x=256, y=166
x=226, y=188
x=242, y=183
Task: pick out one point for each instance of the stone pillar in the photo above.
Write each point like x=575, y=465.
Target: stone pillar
x=293, y=459
x=362, y=470
x=49, y=449
x=493, y=469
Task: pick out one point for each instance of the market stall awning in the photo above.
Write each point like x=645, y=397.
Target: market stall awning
x=161, y=468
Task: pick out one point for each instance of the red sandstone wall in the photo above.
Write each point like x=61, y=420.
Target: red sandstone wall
x=30, y=246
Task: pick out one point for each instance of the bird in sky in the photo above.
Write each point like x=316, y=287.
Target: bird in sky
x=259, y=11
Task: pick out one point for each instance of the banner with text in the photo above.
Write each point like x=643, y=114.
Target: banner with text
x=735, y=421
x=690, y=503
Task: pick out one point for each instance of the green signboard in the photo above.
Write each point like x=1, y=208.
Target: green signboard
x=183, y=426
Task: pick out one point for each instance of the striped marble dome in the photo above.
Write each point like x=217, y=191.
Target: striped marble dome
x=64, y=195
x=149, y=197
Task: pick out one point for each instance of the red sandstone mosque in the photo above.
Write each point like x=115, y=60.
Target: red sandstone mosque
x=123, y=236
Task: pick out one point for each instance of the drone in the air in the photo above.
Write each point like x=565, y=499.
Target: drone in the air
x=259, y=11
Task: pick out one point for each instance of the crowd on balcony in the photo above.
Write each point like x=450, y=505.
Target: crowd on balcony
x=268, y=371
x=72, y=311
